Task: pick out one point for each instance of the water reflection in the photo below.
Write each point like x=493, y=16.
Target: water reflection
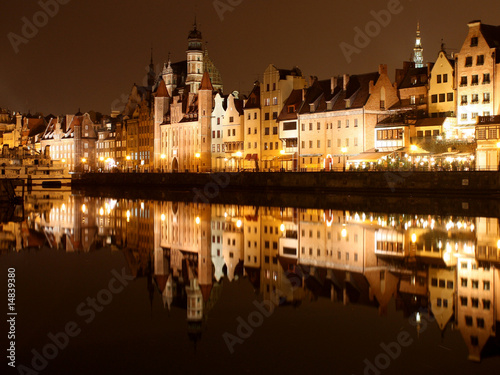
x=443, y=266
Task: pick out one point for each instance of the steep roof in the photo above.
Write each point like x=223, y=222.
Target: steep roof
x=206, y=84
x=294, y=101
x=162, y=91
x=491, y=34
x=254, y=97
x=408, y=80
x=357, y=90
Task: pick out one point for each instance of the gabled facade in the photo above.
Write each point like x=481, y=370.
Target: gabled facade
x=442, y=90
x=71, y=138
x=477, y=68
x=276, y=88
x=252, y=130
x=185, y=131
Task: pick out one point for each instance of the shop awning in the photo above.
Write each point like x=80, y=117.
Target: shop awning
x=368, y=157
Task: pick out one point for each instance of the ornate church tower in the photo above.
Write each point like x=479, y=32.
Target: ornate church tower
x=194, y=59
x=418, y=51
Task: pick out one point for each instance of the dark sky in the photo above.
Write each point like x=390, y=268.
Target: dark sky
x=90, y=53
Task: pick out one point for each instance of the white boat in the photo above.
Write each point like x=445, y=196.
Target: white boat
x=36, y=171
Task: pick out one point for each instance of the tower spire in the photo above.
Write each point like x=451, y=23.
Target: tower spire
x=418, y=51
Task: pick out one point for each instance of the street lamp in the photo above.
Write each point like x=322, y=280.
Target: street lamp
x=162, y=157
x=101, y=159
x=128, y=159
x=344, y=150
x=197, y=156
x=239, y=154
x=83, y=164
x=413, y=148
x=282, y=152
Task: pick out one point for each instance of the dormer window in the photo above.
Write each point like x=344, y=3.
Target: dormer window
x=291, y=109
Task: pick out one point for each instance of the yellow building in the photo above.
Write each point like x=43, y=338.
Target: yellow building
x=276, y=88
x=442, y=90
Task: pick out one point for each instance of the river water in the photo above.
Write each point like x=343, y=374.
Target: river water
x=131, y=286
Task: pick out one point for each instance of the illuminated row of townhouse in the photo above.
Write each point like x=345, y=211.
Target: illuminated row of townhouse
x=182, y=121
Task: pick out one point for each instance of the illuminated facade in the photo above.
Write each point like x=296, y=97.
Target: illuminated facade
x=477, y=74
x=276, y=87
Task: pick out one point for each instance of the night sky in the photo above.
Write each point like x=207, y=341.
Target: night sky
x=90, y=53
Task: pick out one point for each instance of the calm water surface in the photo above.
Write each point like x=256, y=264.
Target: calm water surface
x=118, y=286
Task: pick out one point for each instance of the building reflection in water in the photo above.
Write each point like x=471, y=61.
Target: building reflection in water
x=443, y=266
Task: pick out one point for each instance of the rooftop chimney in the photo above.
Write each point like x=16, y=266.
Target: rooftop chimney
x=346, y=81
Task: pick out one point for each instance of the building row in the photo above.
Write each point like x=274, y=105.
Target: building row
x=182, y=120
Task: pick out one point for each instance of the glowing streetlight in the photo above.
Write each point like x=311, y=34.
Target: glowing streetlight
x=344, y=151
x=197, y=220
x=239, y=154
x=197, y=156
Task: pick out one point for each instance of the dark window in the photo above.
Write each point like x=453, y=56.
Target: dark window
x=445, y=78
x=442, y=283
x=486, y=304
x=475, y=302
x=473, y=41
x=438, y=78
x=449, y=284
x=266, y=116
x=474, y=341
x=275, y=130
x=463, y=81
x=468, y=320
x=468, y=61
x=290, y=125
x=434, y=282
x=480, y=322
x=486, y=78
x=463, y=301
x=266, y=131
x=434, y=98
x=289, y=251
x=449, y=97
x=442, y=98
x=475, y=80
x=275, y=115
x=480, y=60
